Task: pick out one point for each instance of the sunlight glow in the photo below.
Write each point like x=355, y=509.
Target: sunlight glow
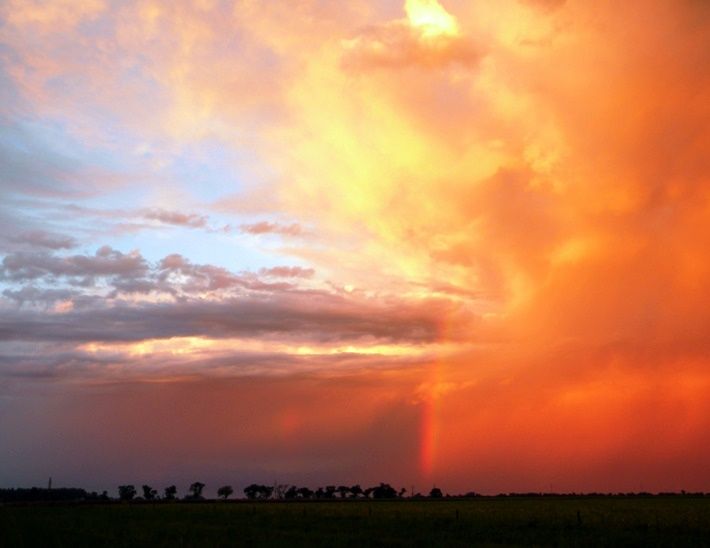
x=430, y=18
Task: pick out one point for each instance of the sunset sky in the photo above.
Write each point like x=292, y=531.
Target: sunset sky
x=462, y=243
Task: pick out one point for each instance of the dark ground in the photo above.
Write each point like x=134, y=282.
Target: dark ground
x=536, y=521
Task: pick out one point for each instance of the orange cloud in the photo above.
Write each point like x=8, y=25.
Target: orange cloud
x=568, y=188
x=428, y=37
x=62, y=15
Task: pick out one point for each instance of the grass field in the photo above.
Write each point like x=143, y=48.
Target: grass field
x=602, y=521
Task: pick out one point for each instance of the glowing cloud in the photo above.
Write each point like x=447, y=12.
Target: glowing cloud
x=430, y=18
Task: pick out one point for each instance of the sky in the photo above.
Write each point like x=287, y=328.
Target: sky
x=452, y=243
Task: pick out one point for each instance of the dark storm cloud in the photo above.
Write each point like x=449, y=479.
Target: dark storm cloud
x=59, y=361
x=55, y=304
x=318, y=318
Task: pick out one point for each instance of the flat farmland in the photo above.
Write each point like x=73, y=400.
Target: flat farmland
x=484, y=521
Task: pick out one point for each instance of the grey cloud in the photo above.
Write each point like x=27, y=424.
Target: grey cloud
x=323, y=318
x=202, y=300
x=106, y=262
x=39, y=295
x=138, y=285
x=287, y=272
x=190, y=220
x=49, y=364
x=198, y=277
x=124, y=221
x=68, y=363
x=131, y=273
x=42, y=238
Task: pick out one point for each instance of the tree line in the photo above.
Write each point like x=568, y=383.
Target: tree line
x=257, y=491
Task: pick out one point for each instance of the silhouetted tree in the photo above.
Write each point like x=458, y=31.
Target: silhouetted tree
x=126, y=492
x=255, y=491
x=225, y=492
x=343, y=491
x=355, y=491
x=196, y=490
x=279, y=491
x=251, y=491
x=401, y=493
x=330, y=491
x=320, y=493
x=149, y=493
x=384, y=491
x=305, y=493
x=435, y=493
x=291, y=493
x=170, y=492
x=37, y=494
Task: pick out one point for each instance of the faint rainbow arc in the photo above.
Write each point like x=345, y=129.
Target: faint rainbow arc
x=430, y=427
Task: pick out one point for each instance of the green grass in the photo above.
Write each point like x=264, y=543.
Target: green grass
x=602, y=521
